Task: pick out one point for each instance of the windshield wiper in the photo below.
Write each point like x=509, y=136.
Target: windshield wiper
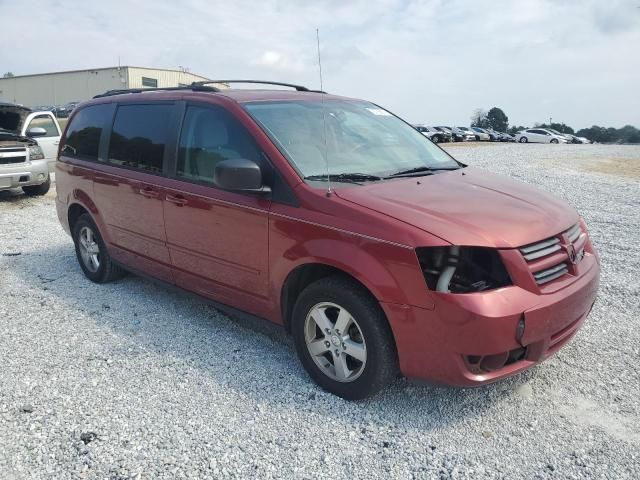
x=346, y=177
x=417, y=171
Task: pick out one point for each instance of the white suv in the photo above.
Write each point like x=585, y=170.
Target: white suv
x=25, y=162
x=539, y=135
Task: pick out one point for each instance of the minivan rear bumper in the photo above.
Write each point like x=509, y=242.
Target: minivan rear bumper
x=474, y=339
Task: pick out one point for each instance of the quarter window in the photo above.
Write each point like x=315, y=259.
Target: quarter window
x=83, y=134
x=210, y=135
x=139, y=136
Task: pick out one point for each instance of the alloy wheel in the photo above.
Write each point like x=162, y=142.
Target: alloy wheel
x=335, y=342
x=89, y=249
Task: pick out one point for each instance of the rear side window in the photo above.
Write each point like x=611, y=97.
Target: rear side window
x=139, y=136
x=83, y=134
x=210, y=135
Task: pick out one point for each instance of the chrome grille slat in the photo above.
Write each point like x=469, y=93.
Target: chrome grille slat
x=550, y=271
x=574, y=233
x=540, y=245
x=542, y=253
x=12, y=160
x=560, y=270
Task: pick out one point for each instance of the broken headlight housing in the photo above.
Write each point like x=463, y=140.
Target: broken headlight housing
x=35, y=152
x=458, y=269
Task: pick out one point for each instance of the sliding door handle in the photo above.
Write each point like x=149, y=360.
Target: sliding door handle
x=177, y=200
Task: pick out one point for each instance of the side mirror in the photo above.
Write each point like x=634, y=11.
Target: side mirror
x=36, y=132
x=239, y=174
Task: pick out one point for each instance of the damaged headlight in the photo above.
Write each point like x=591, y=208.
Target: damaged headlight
x=35, y=152
x=462, y=269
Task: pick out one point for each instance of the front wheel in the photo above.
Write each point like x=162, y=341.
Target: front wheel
x=435, y=139
x=343, y=339
x=554, y=140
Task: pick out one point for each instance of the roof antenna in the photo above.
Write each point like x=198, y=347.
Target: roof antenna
x=324, y=115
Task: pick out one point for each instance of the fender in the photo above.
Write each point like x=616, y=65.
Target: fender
x=390, y=272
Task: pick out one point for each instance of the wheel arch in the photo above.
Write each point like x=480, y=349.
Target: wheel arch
x=304, y=275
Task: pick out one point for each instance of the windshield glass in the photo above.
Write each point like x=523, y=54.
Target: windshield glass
x=360, y=138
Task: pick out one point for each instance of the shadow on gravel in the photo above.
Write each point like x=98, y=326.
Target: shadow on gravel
x=256, y=359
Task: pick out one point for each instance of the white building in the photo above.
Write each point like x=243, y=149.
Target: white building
x=59, y=88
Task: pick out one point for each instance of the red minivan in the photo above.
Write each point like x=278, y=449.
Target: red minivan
x=334, y=218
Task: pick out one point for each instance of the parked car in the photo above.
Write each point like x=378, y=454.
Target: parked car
x=468, y=131
x=433, y=134
x=459, y=135
x=40, y=125
x=569, y=137
x=376, y=249
x=453, y=137
x=502, y=136
x=65, y=110
x=539, y=135
x=22, y=160
x=481, y=134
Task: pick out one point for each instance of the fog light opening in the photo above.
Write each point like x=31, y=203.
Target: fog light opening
x=520, y=329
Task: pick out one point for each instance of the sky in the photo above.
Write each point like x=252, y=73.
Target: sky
x=429, y=61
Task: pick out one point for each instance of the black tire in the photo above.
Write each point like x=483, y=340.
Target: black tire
x=381, y=365
x=554, y=140
x=435, y=139
x=37, y=190
x=107, y=271
x=524, y=139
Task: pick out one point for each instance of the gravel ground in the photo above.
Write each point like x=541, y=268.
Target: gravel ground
x=130, y=380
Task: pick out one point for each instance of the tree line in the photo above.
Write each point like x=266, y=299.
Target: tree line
x=496, y=119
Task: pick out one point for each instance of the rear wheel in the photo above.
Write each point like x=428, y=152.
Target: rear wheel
x=37, y=190
x=343, y=339
x=524, y=139
x=435, y=139
x=554, y=140
x=92, y=252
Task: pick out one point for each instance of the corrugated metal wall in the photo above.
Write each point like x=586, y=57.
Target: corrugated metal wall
x=59, y=88
x=164, y=78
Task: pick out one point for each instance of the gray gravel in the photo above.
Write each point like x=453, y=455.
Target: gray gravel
x=130, y=380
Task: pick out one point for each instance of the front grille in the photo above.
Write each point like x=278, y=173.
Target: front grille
x=549, y=259
x=545, y=276
x=10, y=160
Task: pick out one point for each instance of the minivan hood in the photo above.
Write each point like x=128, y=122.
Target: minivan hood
x=469, y=206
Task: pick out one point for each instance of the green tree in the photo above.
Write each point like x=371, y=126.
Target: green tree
x=479, y=118
x=8, y=75
x=560, y=127
x=497, y=119
x=513, y=130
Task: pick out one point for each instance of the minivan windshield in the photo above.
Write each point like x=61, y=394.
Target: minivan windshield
x=355, y=140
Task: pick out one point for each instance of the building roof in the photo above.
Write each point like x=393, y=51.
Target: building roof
x=122, y=67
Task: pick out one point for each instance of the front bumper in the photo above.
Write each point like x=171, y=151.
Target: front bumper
x=24, y=174
x=474, y=339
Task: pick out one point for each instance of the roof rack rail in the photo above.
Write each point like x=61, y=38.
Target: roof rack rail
x=299, y=88
x=194, y=87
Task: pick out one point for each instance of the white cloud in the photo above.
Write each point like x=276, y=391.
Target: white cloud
x=430, y=61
